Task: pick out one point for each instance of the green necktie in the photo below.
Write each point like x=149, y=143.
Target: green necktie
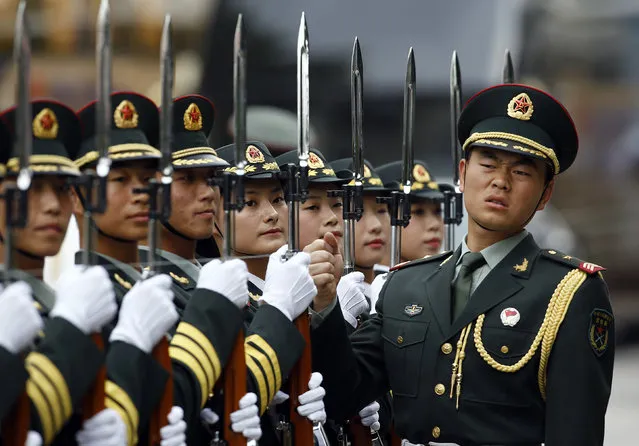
x=462, y=284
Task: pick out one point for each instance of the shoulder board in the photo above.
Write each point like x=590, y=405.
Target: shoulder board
x=426, y=259
x=572, y=262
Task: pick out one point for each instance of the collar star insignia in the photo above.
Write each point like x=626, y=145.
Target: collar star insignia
x=179, y=279
x=521, y=107
x=523, y=266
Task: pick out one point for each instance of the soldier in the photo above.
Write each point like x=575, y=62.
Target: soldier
x=286, y=287
x=133, y=135
x=194, y=202
x=423, y=235
x=82, y=301
x=528, y=357
x=372, y=231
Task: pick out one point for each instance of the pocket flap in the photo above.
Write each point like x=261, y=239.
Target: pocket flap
x=404, y=333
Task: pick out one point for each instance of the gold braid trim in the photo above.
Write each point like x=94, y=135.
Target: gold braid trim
x=555, y=313
x=456, y=376
x=547, y=151
x=573, y=280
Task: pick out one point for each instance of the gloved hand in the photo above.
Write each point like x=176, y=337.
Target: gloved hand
x=147, y=313
x=350, y=293
x=105, y=428
x=33, y=439
x=279, y=398
x=312, y=402
x=208, y=416
x=370, y=416
x=174, y=433
x=432, y=443
x=229, y=278
x=289, y=286
x=247, y=419
x=376, y=287
x=19, y=318
x=85, y=298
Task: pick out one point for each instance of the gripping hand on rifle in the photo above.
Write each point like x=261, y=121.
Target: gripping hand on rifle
x=19, y=318
x=245, y=420
x=229, y=279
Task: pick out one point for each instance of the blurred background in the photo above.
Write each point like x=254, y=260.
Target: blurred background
x=581, y=51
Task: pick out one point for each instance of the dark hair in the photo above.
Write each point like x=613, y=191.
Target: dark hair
x=549, y=174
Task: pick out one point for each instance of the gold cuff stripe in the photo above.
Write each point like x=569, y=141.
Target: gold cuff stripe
x=119, y=400
x=44, y=409
x=189, y=361
x=50, y=371
x=257, y=372
x=52, y=397
x=189, y=345
x=260, y=343
x=547, y=151
x=119, y=151
x=266, y=366
x=192, y=332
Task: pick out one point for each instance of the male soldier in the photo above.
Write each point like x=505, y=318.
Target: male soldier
x=82, y=302
x=499, y=342
x=133, y=136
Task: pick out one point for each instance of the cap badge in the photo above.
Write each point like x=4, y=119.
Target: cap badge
x=314, y=161
x=521, y=107
x=193, y=118
x=421, y=174
x=254, y=155
x=125, y=115
x=367, y=172
x=45, y=125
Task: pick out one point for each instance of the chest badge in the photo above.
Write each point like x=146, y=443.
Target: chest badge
x=413, y=310
x=510, y=317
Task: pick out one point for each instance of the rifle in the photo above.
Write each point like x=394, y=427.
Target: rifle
x=162, y=211
x=234, y=381
x=508, y=72
x=16, y=425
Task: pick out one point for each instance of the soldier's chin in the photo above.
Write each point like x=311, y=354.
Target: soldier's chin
x=49, y=249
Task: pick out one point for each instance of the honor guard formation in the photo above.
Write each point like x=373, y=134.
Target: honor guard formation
x=249, y=294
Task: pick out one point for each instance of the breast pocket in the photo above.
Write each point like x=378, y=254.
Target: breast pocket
x=507, y=345
x=403, y=348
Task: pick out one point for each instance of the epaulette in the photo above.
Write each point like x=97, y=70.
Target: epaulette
x=572, y=262
x=426, y=259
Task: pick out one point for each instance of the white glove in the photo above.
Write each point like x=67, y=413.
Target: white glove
x=376, y=287
x=312, y=402
x=85, y=298
x=33, y=439
x=432, y=443
x=174, y=433
x=350, y=293
x=289, y=286
x=247, y=419
x=19, y=318
x=279, y=397
x=229, y=278
x=208, y=416
x=370, y=416
x=105, y=428
x=147, y=313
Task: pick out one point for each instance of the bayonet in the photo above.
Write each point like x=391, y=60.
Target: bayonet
x=508, y=72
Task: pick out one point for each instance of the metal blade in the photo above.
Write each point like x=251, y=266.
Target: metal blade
x=508, y=73
x=239, y=92
x=357, y=111
x=303, y=94
x=24, y=113
x=410, y=97
x=167, y=74
x=103, y=62
x=455, y=110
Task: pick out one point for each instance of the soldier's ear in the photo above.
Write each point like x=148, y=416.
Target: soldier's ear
x=77, y=203
x=545, y=198
x=462, y=173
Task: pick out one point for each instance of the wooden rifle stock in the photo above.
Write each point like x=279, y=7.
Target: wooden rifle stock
x=159, y=417
x=302, y=427
x=94, y=400
x=16, y=424
x=234, y=389
x=360, y=434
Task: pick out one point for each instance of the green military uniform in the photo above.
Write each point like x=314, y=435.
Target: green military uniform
x=528, y=361
x=14, y=378
x=56, y=383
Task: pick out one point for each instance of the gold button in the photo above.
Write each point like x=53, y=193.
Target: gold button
x=436, y=432
x=400, y=339
x=440, y=389
x=504, y=349
x=552, y=252
x=447, y=348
